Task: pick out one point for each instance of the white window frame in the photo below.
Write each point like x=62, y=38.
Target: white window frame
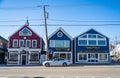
x=65, y=43
x=14, y=41
x=103, y=53
x=92, y=39
x=35, y=45
x=21, y=33
x=30, y=43
x=20, y=43
x=82, y=54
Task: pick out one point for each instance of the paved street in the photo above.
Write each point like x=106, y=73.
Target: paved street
x=82, y=71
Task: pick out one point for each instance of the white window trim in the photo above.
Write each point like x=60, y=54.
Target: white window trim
x=65, y=42
x=92, y=39
x=82, y=60
x=35, y=45
x=14, y=41
x=29, y=41
x=23, y=34
x=20, y=41
x=103, y=53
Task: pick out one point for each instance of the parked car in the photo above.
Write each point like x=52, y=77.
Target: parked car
x=56, y=62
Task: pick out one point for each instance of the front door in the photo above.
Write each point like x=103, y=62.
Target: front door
x=93, y=57
x=24, y=59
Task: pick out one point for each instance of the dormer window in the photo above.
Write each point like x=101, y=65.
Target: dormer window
x=25, y=32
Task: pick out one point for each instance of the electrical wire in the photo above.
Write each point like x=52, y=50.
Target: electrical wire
x=72, y=25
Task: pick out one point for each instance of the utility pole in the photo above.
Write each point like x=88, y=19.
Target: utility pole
x=47, y=53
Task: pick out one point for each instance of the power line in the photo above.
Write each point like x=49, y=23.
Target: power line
x=72, y=25
x=57, y=20
x=20, y=20
x=78, y=20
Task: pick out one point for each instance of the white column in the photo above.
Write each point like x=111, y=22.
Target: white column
x=18, y=57
x=29, y=57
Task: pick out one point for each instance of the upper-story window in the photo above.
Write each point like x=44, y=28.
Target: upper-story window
x=60, y=43
x=15, y=43
x=83, y=42
x=34, y=43
x=91, y=40
x=25, y=32
x=91, y=35
x=21, y=43
x=28, y=43
x=83, y=36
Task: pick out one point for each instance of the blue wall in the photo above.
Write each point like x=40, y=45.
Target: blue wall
x=64, y=37
x=105, y=49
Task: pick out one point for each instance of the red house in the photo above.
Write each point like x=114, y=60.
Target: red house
x=25, y=47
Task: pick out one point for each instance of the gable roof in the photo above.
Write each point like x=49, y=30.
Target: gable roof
x=60, y=28
x=91, y=31
x=1, y=38
x=25, y=26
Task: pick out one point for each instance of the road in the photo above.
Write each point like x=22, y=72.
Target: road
x=82, y=71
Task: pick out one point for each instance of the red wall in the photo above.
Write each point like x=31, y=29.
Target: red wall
x=33, y=37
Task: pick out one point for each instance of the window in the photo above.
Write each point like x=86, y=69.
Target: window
x=103, y=56
x=98, y=36
x=82, y=56
x=59, y=34
x=21, y=43
x=34, y=43
x=52, y=42
x=60, y=43
x=82, y=42
x=25, y=32
x=34, y=56
x=84, y=36
x=92, y=42
x=13, y=56
x=15, y=43
x=91, y=36
x=28, y=44
x=101, y=42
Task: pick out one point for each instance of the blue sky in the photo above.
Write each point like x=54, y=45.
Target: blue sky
x=64, y=12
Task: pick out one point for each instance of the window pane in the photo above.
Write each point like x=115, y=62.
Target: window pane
x=101, y=42
x=82, y=57
x=59, y=43
x=91, y=36
x=99, y=36
x=13, y=56
x=34, y=56
x=84, y=36
x=21, y=43
x=83, y=42
x=34, y=43
x=28, y=43
x=103, y=56
x=67, y=44
x=15, y=43
x=52, y=43
x=92, y=42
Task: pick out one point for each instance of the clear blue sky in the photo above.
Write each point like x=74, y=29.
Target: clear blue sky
x=71, y=12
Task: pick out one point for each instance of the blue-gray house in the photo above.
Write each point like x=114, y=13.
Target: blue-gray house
x=60, y=44
x=3, y=50
x=91, y=47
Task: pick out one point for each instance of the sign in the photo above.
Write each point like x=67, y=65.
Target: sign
x=92, y=48
x=62, y=49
